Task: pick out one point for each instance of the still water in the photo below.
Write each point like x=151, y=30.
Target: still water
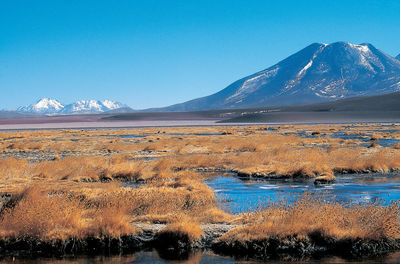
x=241, y=195
x=146, y=257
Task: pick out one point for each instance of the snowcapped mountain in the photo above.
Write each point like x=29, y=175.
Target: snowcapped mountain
x=91, y=106
x=319, y=72
x=52, y=106
x=43, y=106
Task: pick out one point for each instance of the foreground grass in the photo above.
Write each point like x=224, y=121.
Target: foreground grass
x=96, y=184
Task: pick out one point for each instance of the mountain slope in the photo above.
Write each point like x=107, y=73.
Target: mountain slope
x=398, y=57
x=125, y=109
x=377, y=108
x=43, y=106
x=377, y=103
x=319, y=72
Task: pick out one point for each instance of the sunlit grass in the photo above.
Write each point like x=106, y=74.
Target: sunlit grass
x=73, y=183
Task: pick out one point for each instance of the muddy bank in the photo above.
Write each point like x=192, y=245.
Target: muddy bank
x=313, y=246
x=30, y=247
x=179, y=246
x=149, y=237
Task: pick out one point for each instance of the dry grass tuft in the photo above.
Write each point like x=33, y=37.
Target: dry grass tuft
x=47, y=216
x=112, y=222
x=331, y=219
x=185, y=227
x=36, y=215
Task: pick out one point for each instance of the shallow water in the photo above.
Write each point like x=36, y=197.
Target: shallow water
x=123, y=136
x=132, y=136
x=387, y=142
x=364, y=137
x=239, y=195
x=145, y=257
x=384, y=142
x=194, y=134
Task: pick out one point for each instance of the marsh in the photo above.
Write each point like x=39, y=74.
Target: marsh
x=226, y=189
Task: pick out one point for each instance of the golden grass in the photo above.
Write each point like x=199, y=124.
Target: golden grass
x=184, y=227
x=79, y=190
x=36, y=215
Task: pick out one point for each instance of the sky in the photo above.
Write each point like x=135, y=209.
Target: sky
x=155, y=53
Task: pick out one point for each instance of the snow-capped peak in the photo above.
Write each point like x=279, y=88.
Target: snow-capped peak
x=84, y=105
x=360, y=47
x=90, y=106
x=43, y=106
x=111, y=104
x=52, y=106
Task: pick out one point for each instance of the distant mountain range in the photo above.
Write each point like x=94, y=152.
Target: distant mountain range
x=52, y=106
x=317, y=73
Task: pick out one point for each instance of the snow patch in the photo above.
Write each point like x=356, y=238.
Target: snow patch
x=111, y=104
x=253, y=84
x=361, y=48
x=303, y=71
x=366, y=57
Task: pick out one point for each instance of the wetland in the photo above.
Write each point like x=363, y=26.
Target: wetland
x=227, y=193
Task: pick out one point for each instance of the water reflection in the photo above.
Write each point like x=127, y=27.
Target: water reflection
x=147, y=257
x=241, y=195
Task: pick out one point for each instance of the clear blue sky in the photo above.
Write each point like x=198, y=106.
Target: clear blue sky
x=156, y=53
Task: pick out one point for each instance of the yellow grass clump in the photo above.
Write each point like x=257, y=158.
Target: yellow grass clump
x=40, y=215
x=184, y=227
